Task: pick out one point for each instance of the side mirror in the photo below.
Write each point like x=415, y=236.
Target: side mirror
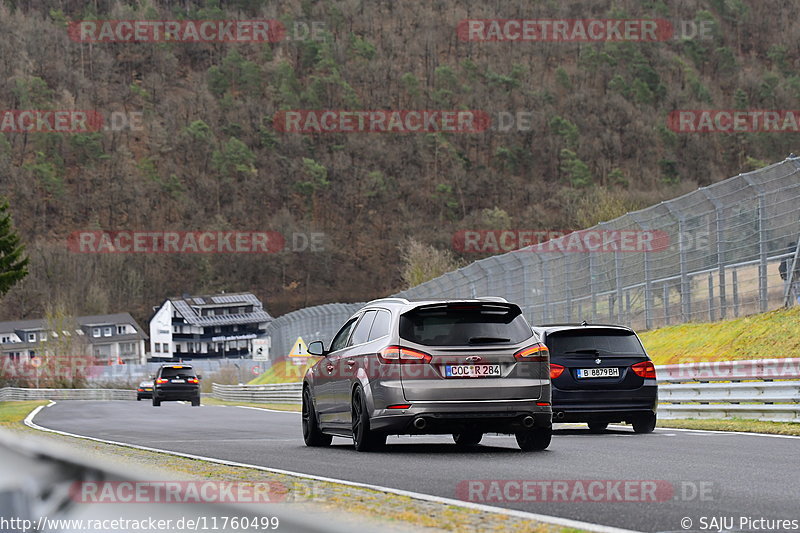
x=316, y=348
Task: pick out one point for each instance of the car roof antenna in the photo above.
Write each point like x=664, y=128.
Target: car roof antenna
x=584, y=323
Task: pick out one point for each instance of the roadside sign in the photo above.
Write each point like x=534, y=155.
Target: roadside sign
x=299, y=352
x=299, y=348
x=36, y=362
x=261, y=349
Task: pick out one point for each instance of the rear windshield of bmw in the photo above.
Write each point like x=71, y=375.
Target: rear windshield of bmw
x=594, y=340
x=181, y=372
x=464, y=324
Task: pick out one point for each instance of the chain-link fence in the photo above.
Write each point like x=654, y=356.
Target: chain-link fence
x=711, y=254
x=316, y=323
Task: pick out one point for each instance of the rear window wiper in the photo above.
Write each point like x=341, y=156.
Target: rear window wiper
x=585, y=350
x=477, y=340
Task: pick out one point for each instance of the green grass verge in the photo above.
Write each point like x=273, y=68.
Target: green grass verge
x=769, y=335
x=284, y=372
x=734, y=424
x=13, y=413
x=274, y=406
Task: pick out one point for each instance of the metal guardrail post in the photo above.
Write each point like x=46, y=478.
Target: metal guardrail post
x=593, y=286
x=711, y=313
x=762, y=243
x=546, y=288
x=686, y=285
x=723, y=304
x=618, y=283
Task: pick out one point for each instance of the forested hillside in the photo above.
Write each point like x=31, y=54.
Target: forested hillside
x=208, y=157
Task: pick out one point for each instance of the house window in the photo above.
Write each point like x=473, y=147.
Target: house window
x=95, y=332
x=31, y=337
x=157, y=347
x=43, y=336
x=54, y=334
x=217, y=329
x=79, y=331
x=66, y=333
x=106, y=332
x=6, y=340
x=235, y=328
x=122, y=330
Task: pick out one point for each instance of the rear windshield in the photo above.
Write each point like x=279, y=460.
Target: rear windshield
x=185, y=372
x=464, y=325
x=593, y=341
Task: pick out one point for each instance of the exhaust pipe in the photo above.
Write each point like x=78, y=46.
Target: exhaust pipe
x=420, y=423
x=527, y=421
x=559, y=415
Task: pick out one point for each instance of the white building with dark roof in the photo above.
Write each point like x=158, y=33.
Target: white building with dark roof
x=207, y=327
x=110, y=339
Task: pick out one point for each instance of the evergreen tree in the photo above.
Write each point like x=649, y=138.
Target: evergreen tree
x=13, y=264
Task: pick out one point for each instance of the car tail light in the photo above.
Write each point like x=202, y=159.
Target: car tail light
x=645, y=369
x=192, y=380
x=139, y=390
x=542, y=404
x=403, y=356
x=535, y=353
x=162, y=380
x=555, y=370
x=399, y=406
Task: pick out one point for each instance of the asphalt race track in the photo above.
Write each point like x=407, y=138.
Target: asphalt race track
x=698, y=474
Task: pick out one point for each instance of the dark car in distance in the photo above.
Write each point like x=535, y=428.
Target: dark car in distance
x=144, y=390
x=459, y=367
x=600, y=374
x=174, y=383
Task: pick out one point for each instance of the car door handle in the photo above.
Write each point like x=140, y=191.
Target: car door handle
x=329, y=368
x=351, y=362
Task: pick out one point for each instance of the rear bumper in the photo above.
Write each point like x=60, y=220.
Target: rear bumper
x=604, y=405
x=174, y=394
x=444, y=418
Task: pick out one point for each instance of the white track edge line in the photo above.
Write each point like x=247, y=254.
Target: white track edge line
x=566, y=522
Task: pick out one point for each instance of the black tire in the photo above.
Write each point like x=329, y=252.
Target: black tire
x=196, y=402
x=311, y=432
x=467, y=438
x=138, y=398
x=645, y=423
x=534, y=439
x=364, y=439
x=597, y=427
x=156, y=403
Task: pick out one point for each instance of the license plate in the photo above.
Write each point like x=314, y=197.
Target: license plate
x=178, y=381
x=604, y=372
x=471, y=371
x=148, y=389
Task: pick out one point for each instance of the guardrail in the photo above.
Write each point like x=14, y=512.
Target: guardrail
x=759, y=389
x=19, y=394
x=278, y=393
x=753, y=389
